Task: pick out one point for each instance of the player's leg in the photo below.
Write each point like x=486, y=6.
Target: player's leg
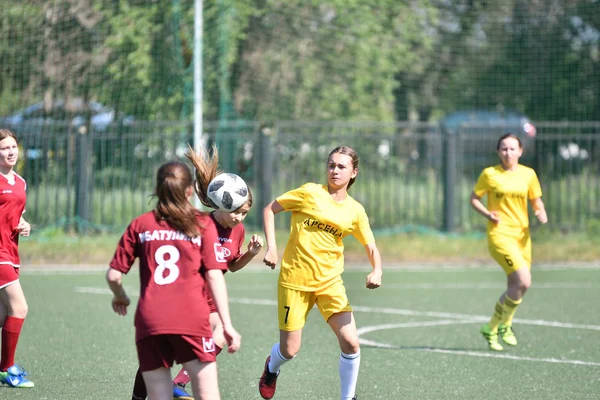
x=335, y=308
x=158, y=383
x=197, y=355
x=518, y=282
x=14, y=310
x=182, y=378
x=205, y=383
x=139, y=387
x=293, y=309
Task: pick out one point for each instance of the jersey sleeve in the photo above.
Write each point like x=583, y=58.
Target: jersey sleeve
x=210, y=248
x=482, y=186
x=362, y=228
x=535, y=190
x=293, y=200
x=125, y=253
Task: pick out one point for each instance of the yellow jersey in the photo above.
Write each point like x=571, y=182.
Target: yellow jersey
x=314, y=254
x=507, y=194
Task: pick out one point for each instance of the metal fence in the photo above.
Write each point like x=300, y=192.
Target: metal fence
x=411, y=175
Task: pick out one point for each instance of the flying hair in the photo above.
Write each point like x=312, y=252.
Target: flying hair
x=207, y=168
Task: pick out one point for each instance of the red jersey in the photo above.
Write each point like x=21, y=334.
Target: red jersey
x=12, y=206
x=228, y=248
x=170, y=275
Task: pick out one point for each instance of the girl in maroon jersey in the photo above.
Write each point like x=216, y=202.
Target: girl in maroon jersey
x=231, y=236
x=13, y=306
x=171, y=243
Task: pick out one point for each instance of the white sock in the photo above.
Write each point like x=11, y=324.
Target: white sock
x=349, y=366
x=277, y=360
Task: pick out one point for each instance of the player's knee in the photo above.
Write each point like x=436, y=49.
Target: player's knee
x=19, y=310
x=289, y=350
x=349, y=344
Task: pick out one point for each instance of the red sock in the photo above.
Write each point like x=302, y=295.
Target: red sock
x=182, y=378
x=139, y=387
x=10, y=336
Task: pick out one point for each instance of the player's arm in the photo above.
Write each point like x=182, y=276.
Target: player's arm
x=254, y=246
x=269, y=212
x=539, y=210
x=216, y=283
x=115, y=283
x=478, y=205
x=374, y=278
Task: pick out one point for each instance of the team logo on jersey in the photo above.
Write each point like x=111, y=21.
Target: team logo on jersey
x=7, y=191
x=209, y=345
x=221, y=253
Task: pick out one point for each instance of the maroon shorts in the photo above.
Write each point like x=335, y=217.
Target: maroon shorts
x=160, y=351
x=8, y=275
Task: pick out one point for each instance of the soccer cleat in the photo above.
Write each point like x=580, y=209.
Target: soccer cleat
x=507, y=334
x=15, y=377
x=179, y=393
x=267, y=382
x=491, y=337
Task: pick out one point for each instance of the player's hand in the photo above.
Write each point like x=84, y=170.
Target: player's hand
x=120, y=304
x=255, y=245
x=374, y=279
x=24, y=228
x=234, y=339
x=541, y=216
x=494, y=217
x=271, y=257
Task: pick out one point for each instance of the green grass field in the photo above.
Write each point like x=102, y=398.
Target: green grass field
x=419, y=335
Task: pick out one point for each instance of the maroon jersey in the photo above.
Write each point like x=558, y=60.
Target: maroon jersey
x=171, y=284
x=12, y=206
x=228, y=248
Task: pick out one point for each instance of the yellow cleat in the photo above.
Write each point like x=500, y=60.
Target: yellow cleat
x=507, y=334
x=491, y=337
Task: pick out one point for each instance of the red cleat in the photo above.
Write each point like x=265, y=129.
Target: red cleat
x=267, y=382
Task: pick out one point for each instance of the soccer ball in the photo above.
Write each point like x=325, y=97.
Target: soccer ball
x=227, y=192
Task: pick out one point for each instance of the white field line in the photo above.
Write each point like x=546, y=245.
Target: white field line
x=367, y=342
x=390, y=311
x=351, y=268
x=453, y=320
x=485, y=285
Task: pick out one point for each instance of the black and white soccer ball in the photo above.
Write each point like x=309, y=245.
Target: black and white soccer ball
x=227, y=192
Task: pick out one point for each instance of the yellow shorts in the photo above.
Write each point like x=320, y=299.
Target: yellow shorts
x=511, y=252
x=294, y=305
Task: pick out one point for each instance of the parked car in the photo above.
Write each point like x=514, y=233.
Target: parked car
x=39, y=113
x=480, y=130
x=34, y=122
x=477, y=133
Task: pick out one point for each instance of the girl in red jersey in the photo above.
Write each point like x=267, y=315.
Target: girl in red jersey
x=231, y=237
x=228, y=251
x=13, y=306
x=173, y=243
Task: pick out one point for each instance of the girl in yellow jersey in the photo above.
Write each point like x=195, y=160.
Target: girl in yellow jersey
x=313, y=263
x=508, y=186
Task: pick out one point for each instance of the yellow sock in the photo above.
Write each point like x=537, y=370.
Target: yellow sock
x=510, y=308
x=496, y=317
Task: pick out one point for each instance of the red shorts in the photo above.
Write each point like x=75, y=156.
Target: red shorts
x=8, y=275
x=160, y=351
